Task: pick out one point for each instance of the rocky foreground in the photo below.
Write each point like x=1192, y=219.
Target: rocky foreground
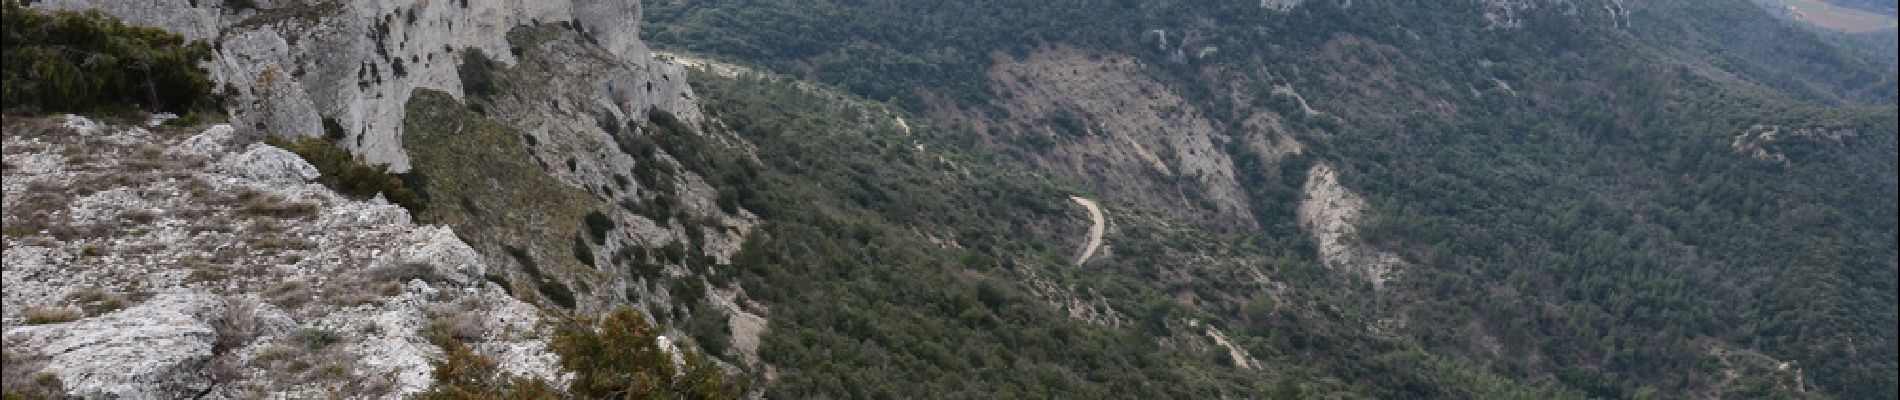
x=146, y=261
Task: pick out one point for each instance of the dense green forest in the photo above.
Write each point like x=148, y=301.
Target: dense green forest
x=867, y=306
x=1582, y=201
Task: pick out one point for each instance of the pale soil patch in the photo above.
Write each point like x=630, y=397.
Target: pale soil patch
x=1096, y=227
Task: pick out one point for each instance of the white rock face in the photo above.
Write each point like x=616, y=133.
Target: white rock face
x=1328, y=212
x=230, y=269
x=155, y=350
x=294, y=63
x=1764, y=141
x=268, y=163
x=438, y=247
x=1280, y=5
x=1127, y=133
x=1509, y=14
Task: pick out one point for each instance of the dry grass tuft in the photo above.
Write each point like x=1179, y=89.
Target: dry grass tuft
x=52, y=315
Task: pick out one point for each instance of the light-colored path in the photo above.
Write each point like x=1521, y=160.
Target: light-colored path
x=1095, y=231
x=1240, y=356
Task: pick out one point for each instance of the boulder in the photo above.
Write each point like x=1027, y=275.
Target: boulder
x=154, y=350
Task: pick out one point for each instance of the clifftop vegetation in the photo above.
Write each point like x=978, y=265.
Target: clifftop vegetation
x=65, y=61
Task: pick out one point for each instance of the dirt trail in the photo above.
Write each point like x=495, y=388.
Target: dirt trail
x=1240, y=356
x=1095, y=230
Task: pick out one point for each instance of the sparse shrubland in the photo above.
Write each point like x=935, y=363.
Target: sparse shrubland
x=618, y=356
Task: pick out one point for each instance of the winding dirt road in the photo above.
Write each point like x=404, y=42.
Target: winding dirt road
x=1095, y=231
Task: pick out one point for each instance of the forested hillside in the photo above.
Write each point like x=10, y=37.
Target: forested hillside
x=1282, y=199
x=1656, y=199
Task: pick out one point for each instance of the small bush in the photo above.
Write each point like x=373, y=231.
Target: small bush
x=95, y=302
x=266, y=206
x=667, y=123
x=1068, y=124
x=597, y=227
x=405, y=272
x=52, y=315
x=673, y=253
x=315, y=339
x=558, y=293
x=333, y=129
x=502, y=281
x=41, y=386
x=66, y=61
x=620, y=357
x=687, y=291
x=478, y=75
x=608, y=124
x=583, y=252
x=239, y=5
x=709, y=327
x=728, y=200
x=465, y=374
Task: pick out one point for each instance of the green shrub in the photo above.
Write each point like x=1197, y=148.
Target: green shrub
x=668, y=123
x=597, y=226
x=1068, y=124
x=639, y=267
x=502, y=281
x=583, y=252
x=558, y=293
x=42, y=386
x=346, y=174
x=478, y=74
x=687, y=291
x=464, y=374
x=317, y=338
x=619, y=357
x=333, y=130
x=66, y=61
x=709, y=327
x=608, y=124
x=522, y=257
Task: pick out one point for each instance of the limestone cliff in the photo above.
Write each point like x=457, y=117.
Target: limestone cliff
x=295, y=66
x=1329, y=212
x=267, y=284
x=294, y=63
x=1101, y=118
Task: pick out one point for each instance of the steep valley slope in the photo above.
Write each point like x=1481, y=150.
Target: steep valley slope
x=1053, y=199
x=1563, y=193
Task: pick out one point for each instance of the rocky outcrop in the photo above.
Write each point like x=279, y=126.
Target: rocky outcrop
x=1328, y=212
x=157, y=349
x=1766, y=141
x=163, y=263
x=1509, y=14
x=267, y=163
x=576, y=88
x=1280, y=5
x=1099, y=118
x=294, y=63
